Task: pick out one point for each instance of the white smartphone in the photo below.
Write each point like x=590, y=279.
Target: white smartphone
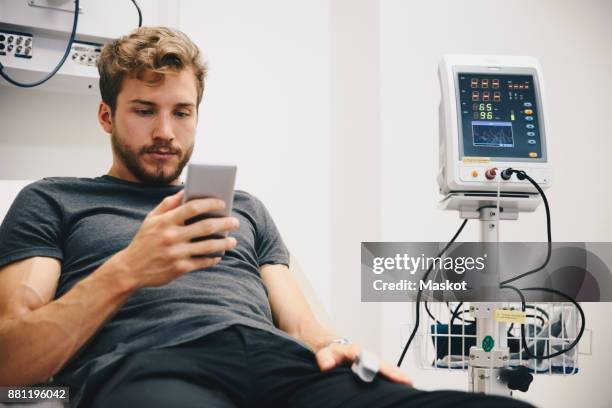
x=210, y=181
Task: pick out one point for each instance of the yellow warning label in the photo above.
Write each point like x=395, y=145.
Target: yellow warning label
x=477, y=160
x=509, y=316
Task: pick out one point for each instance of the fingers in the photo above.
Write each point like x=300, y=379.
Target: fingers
x=194, y=264
x=168, y=203
x=325, y=359
x=394, y=374
x=207, y=246
x=190, y=209
x=177, y=235
x=208, y=227
x=335, y=354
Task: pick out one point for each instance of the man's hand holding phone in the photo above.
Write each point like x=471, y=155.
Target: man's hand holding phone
x=164, y=248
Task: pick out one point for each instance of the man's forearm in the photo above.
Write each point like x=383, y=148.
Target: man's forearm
x=314, y=334
x=37, y=344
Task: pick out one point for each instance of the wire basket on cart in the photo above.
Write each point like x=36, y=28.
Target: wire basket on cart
x=448, y=331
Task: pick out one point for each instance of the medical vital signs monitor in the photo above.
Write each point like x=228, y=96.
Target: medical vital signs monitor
x=492, y=118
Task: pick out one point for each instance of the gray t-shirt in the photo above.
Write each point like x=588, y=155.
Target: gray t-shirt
x=84, y=221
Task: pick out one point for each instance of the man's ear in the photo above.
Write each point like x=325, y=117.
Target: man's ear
x=105, y=117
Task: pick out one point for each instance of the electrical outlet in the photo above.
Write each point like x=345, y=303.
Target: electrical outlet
x=16, y=44
x=85, y=53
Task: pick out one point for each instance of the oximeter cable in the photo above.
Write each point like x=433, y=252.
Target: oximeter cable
x=521, y=175
x=418, y=298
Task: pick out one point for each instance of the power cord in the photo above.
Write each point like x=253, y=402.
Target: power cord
x=419, y=293
x=139, y=13
x=521, y=175
x=58, y=66
x=456, y=314
x=542, y=317
x=523, y=338
x=418, y=299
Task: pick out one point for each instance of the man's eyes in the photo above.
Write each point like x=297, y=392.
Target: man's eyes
x=149, y=112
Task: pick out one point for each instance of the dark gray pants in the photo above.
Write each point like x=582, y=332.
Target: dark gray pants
x=246, y=367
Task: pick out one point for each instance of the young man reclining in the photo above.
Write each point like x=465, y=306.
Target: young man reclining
x=99, y=288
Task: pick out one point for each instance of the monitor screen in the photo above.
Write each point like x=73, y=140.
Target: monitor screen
x=499, y=117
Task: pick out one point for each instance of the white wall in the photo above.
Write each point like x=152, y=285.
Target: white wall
x=51, y=134
x=266, y=108
x=573, y=41
x=356, y=212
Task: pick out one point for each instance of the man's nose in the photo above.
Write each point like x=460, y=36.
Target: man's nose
x=163, y=127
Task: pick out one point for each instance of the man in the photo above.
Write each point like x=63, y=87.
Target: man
x=102, y=288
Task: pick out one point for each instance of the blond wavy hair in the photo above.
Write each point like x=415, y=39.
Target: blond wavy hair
x=146, y=50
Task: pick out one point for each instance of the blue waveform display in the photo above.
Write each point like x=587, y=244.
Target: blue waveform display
x=492, y=134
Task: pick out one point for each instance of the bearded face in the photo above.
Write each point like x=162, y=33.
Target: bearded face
x=152, y=127
x=157, y=164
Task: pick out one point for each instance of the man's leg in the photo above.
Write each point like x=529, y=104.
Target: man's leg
x=341, y=388
x=287, y=374
x=163, y=392
x=210, y=371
